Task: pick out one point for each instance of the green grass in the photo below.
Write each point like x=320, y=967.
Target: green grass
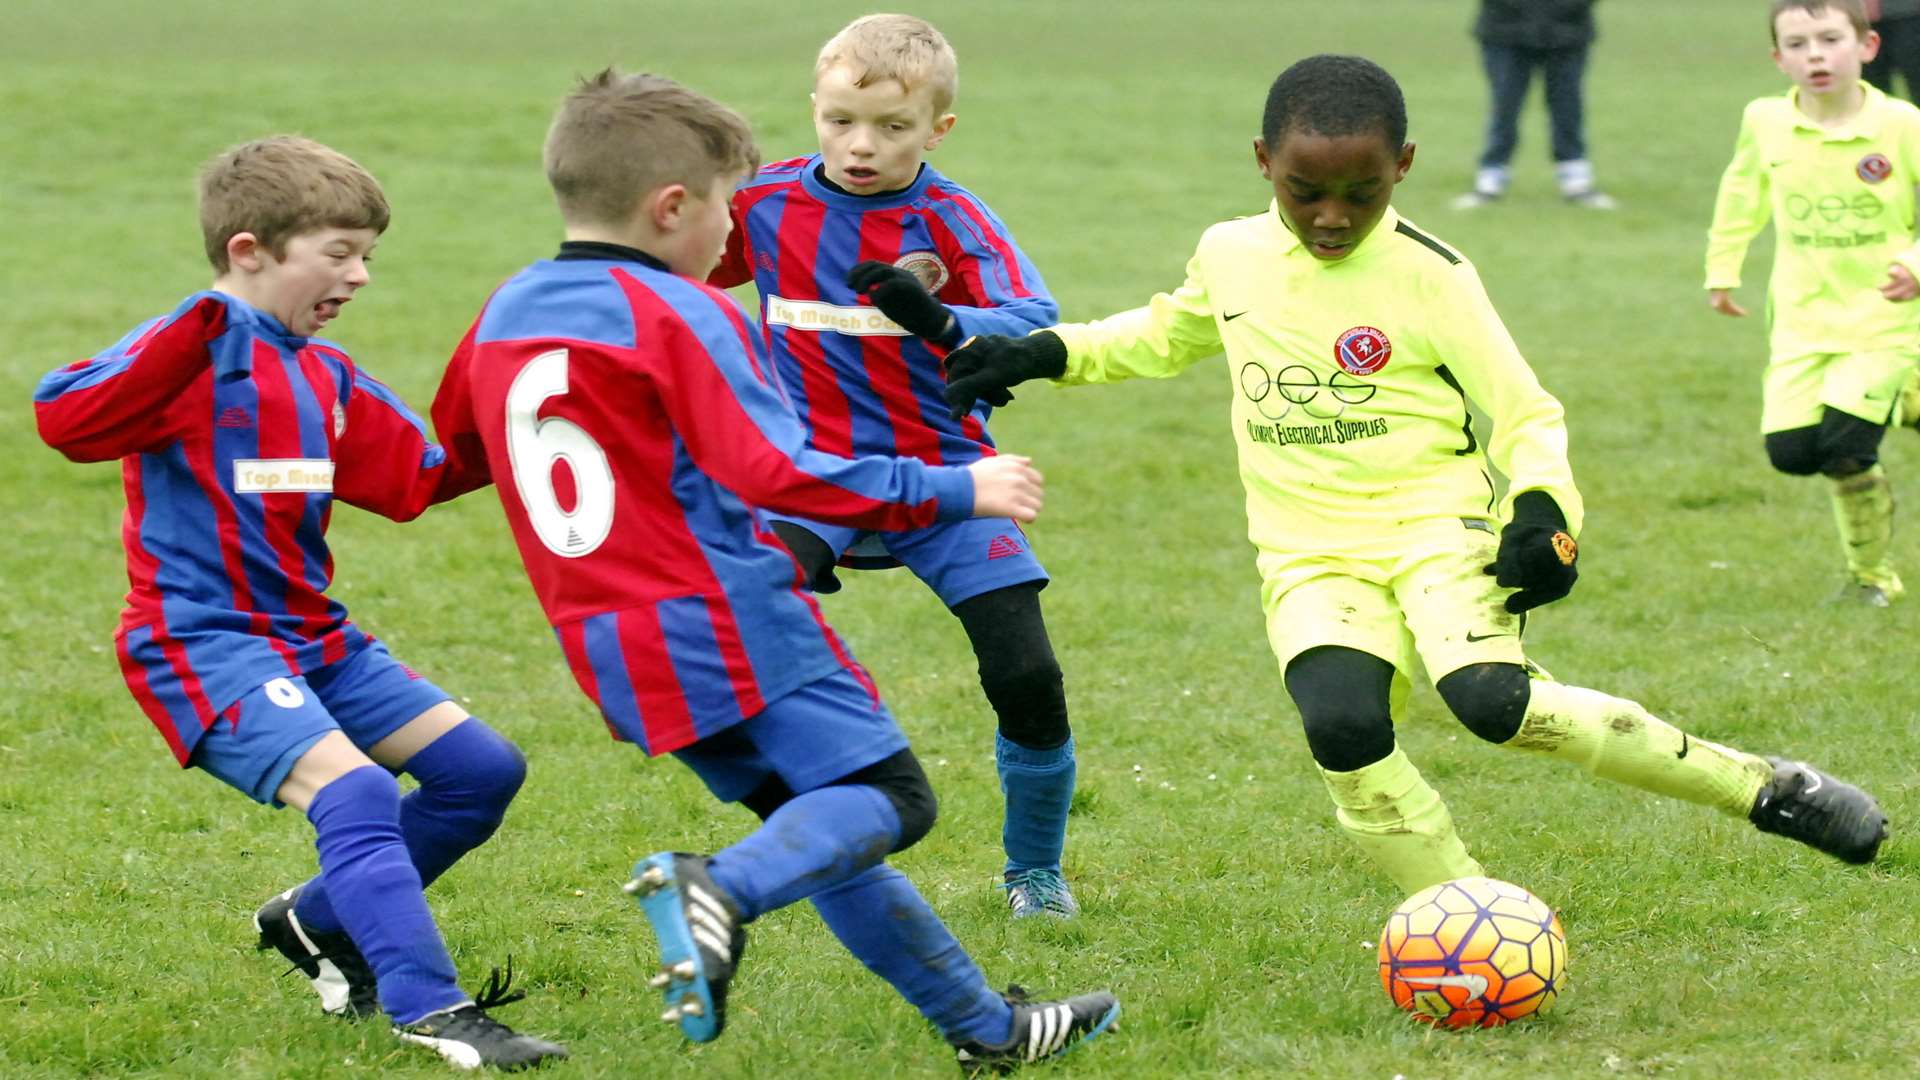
x=1221, y=902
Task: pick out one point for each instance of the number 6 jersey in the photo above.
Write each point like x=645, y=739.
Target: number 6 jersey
x=627, y=419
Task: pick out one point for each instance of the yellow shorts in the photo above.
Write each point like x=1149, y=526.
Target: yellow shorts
x=1863, y=384
x=1433, y=605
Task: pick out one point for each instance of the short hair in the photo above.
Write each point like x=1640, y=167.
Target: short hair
x=1335, y=95
x=280, y=187
x=1854, y=10
x=901, y=47
x=618, y=137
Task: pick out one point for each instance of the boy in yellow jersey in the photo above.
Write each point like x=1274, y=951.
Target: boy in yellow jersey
x=1353, y=340
x=1833, y=163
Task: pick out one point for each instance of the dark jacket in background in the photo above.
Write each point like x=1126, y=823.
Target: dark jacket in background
x=1536, y=24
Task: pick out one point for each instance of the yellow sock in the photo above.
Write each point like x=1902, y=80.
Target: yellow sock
x=1400, y=822
x=1863, y=508
x=1616, y=739
x=1906, y=411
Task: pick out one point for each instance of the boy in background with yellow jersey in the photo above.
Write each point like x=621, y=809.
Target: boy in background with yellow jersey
x=1353, y=341
x=1833, y=163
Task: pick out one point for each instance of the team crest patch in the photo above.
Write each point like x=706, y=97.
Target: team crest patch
x=926, y=266
x=1362, y=350
x=1873, y=168
x=339, y=420
x=1564, y=548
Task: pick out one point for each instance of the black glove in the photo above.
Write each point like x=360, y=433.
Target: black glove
x=984, y=367
x=900, y=297
x=1536, y=556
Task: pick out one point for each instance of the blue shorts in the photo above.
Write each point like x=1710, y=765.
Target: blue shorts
x=809, y=738
x=958, y=560
x=368, y=696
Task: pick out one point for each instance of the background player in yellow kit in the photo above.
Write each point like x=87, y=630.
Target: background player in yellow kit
x=1833, y=163
x=1353, y=340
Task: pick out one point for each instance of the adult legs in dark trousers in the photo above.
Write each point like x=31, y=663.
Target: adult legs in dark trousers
x=1509, y=76
x=1899, y=53
x=1509, y=72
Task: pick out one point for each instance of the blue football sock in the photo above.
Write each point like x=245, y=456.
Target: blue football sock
x=882, y=919
x=1039, y=789
x=813, y=841
x=467, y=777
x=376, y=892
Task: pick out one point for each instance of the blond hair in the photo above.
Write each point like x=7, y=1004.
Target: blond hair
x=1854, y=10
x=900, y=47
x=618, y=137
x=280, y=187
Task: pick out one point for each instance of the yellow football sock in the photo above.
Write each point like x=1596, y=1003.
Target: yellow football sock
x=1863, y=508
x=1616, y=739
x=1906, y=411
x=1400, y=822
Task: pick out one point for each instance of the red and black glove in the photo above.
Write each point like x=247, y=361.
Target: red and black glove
x=1537, y=555
x=984, y=367
x=900, y=297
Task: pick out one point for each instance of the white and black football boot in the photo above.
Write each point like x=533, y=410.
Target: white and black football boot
x=468, y=1038
x=701, y=939
x=1820, y=811
x=1041, y=1030
x=329, y=959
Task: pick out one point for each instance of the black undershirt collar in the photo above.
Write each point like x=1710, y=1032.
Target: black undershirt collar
x=575, y=250
x=820, y=174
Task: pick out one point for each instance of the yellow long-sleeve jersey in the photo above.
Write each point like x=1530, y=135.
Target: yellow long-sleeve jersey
x=1349, y=382
x=1842, y=206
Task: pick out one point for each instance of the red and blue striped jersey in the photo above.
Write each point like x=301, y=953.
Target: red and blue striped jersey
x=628, y=419
x=234, y=438
x=860, y=381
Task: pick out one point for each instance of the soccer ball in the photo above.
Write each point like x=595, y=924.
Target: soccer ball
x=1473, y=952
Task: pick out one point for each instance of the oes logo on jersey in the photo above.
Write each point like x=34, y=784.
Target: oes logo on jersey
x=926, y=266
x=1362, y=350
x=1873, y=168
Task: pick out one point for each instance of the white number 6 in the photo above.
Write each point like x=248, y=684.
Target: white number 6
x=535, y=445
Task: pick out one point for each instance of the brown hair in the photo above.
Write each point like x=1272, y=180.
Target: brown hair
x=280, y=187
x=1854, y=10
x=901, y=47
x=618, y=137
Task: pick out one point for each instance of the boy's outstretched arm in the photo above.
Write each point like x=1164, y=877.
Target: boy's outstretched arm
x=1740, y=211
x=384, y=461
x=739, y=430
x=1174, y=331
x=121, y=401
x=985, y=367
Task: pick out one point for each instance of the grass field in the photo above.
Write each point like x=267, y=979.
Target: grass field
x=1221, y=902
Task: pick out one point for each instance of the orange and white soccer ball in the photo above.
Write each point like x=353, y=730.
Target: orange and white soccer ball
x=1473, y=952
